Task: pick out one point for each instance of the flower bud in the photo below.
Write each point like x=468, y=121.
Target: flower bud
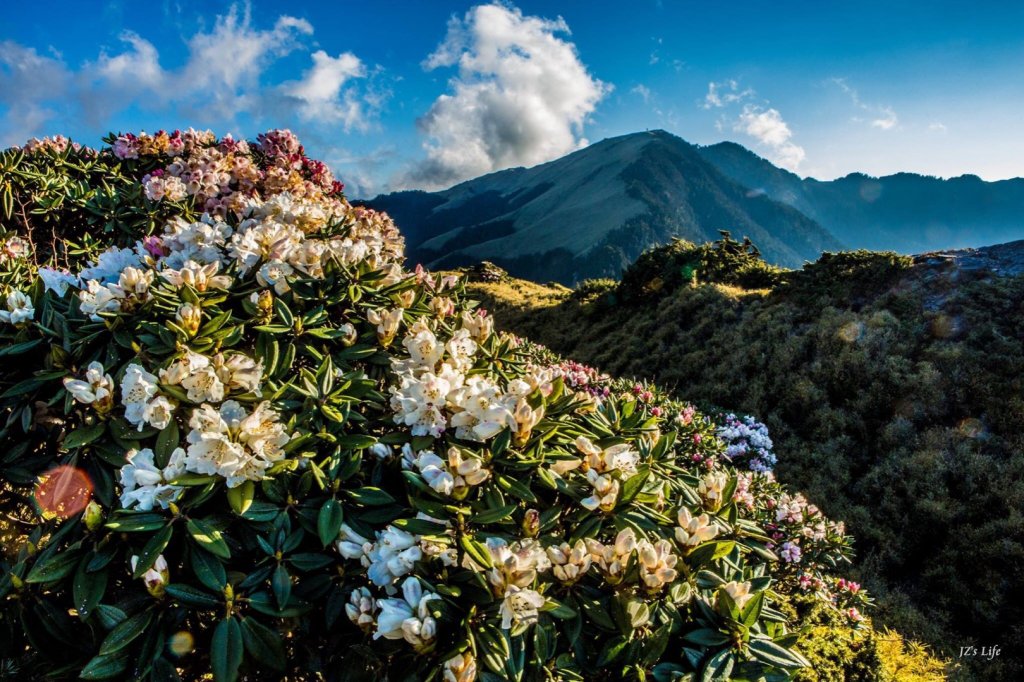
x=531, y=523
x=460, y=668
x=189, y=317
x=93, y=515
x=349, y=334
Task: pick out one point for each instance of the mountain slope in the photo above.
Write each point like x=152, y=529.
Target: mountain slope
x=893, y=383
x=591, y=213
x=905, y=212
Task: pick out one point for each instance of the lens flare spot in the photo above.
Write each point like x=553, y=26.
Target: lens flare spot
x=851, y=332
x=181, y=643
x=971, y=428
x=63, y=492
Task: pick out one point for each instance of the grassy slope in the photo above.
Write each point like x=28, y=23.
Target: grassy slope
x=894, y=396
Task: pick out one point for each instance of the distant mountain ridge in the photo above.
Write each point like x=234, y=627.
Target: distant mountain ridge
x=905, y=212
x=591, y=213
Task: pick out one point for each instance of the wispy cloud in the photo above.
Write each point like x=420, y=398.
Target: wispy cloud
x=725, y=93
x=878, y=116
x=643, y=92
x=521, y=97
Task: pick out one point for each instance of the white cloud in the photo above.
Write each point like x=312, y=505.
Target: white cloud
x=643, y=92
x=879, y=116
x=321, y=93
x=768, y=127
x=221, y=78
x=937, y=127
x=521, y=97
x=29, y=84
x=725, y=93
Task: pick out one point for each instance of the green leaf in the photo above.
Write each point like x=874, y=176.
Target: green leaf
x=263, y=644
x=50, y=567
x=370, y=496
x=135, y=522
x=126, y=633
x=706, y=637
x=192, y=596
x=771, y=653
x=328, y=522
x=166, y=442
x=718, y=667
x=493, y=515
x=752, y=611
x=517, y=488
x=420, y=526
x=226, y=651
x=492, y=648
x=240, y=497
x=88, y=588
x=281, y=583
x=84, y=435
x=209, y=538
x=104, y=667
x=152, y=550
x=208, y=569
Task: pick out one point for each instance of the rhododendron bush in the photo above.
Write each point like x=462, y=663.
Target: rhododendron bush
x=239, y=437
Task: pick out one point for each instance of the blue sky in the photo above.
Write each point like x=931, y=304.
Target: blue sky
x=423, y=94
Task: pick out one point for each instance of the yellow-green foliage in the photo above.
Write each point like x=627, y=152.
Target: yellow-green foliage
x=894, y=395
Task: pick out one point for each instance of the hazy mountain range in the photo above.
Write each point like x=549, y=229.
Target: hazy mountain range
x=591, y=213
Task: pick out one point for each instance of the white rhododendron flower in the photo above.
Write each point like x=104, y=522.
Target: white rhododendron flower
x=138, y=395
x=739, y=591
x=145, y=485
x=392, y=556
x=408, y=617
x=606, y=492
x=520, y=607
x=57, y=281
x=712, y=489
x=96, y=389
x=613, y=559
x=656, y=563
x=19, y=309
x=569, y=563
x=515, y=565
x=233, y=443
x=693, y=530
x=156, y=577
x=361, y=609
x=621, y=457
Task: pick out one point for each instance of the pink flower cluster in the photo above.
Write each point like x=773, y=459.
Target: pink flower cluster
x=223, y=176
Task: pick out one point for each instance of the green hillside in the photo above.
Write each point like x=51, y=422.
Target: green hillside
x=894, y=387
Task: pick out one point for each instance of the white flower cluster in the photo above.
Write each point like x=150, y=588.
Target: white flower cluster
x=96, y=389
x=693, y=530
x=272, y=241
x=159, y=185
x=209, y=379
x=436, y=392
x=655, y=560
x=452, y=477
x=19, y=309
x=515, y=568
x=408, y=617
x=146, y=485
x=143, y=403
x=747, y=438
x=604, y=468
x=392, y=555
x=233, y=443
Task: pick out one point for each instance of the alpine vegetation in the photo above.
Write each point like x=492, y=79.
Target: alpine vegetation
x=238, y=437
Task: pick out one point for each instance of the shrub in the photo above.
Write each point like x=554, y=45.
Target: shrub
x=240, y=439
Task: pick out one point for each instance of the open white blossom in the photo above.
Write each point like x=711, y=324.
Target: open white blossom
x=233, y=443
x=520, y=607
x=144, y=485
x=96, y=389
x=142, y=405
x=693, y=530
x=408, y=617
x=19, y=309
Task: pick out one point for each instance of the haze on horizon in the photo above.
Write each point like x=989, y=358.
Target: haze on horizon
x=428, y=94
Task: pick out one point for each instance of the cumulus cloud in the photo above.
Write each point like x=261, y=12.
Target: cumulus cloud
x=222, y=77
x=768, y=128
x=521, y=96
x=321, y=92
x=877, y=116
x=725, y=93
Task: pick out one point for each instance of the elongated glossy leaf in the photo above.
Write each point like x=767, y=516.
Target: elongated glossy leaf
x=226, y=651
x=329, y=521
x=209, y=538
x=263, y=644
